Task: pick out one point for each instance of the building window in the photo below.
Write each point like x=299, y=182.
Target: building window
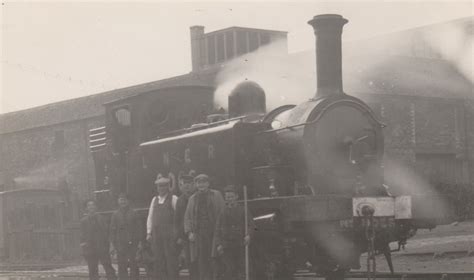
x=122, y=115
x=220, y=47
x=241, y=42
x=211, y=49
x=264, y=39
x=229, y=41
x=253, y=41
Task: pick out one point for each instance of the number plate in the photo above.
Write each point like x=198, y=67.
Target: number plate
x=383, y=206
x=399, y=207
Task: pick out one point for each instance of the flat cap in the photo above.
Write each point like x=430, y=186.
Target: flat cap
x=187, y=178
x=123, y=195
x=162, y=180
x=201, y=177
x=230, y=188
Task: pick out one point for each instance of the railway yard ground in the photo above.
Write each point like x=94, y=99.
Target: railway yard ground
x=446, y=249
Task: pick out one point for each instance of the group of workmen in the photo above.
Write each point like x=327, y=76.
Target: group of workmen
x=205, y=230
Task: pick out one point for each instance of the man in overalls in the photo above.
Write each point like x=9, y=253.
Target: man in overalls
x=161, y=231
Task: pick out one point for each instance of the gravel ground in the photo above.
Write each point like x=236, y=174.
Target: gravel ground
x=445, y=248
x=417, y=256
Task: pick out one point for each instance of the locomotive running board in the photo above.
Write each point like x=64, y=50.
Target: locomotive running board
x=421, y=208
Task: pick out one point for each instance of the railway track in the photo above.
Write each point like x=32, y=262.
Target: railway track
x=302, y=275
x=397, y=275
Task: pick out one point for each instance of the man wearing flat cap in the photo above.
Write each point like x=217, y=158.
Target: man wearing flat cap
x=187, y=188
x=199, y=223
x=125, y=234
x=230, y=237
x=161, y=230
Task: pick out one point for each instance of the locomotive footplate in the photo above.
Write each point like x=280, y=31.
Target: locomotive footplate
x=424, y=211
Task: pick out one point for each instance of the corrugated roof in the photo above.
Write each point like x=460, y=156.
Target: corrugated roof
x=400, y=75
x=247, y=29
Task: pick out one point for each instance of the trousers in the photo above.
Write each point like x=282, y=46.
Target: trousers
x=192, y=269
x=126, y=259
x=166, y=256
x=93, y=265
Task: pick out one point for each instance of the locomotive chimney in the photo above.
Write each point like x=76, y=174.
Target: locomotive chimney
x=328, y=30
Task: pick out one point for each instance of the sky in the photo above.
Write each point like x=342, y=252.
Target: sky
x=62, y=50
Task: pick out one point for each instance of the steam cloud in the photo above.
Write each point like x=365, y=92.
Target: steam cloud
x=371, y=65
x=403, y=180
x=286, y=80
x=455, y=43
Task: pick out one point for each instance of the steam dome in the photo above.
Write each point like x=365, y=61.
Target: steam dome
x=246, y=98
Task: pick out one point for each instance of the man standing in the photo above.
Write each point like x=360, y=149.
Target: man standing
x=95, y=242
x=161, y=231
x=230, y=238
x=187, y=188
x=125, y=236
x=199, y=223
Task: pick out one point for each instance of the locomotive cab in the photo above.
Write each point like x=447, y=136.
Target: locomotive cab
x=129, y=121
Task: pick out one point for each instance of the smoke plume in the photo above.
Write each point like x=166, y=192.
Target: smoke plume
x=454, y=42
x=409, y=62
x=402, y=179
x=285, y=79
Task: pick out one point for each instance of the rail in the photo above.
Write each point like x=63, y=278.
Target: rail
x=300, y=275
x=459, y=275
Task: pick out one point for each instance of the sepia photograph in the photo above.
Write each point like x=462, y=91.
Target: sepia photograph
x=237, y=140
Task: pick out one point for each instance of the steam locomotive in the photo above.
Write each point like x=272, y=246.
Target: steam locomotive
x=313, y=171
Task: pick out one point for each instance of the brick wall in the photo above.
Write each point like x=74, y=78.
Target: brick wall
x=427, y=135
x=39, y=157
x=469, y=128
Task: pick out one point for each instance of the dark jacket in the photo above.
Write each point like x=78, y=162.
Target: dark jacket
x=230, y=226
x=181, y=205
x=94, y=235
x=216, y=204
x=125, y=228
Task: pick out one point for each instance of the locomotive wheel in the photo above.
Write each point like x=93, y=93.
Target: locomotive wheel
x=335, y=275
x=274, y=269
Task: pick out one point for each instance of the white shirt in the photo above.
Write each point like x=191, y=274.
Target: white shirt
x=161, y=200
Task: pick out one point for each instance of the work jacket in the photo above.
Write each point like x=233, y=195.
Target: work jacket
x=215, y=204
x=94, y=235
x=125, y=228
